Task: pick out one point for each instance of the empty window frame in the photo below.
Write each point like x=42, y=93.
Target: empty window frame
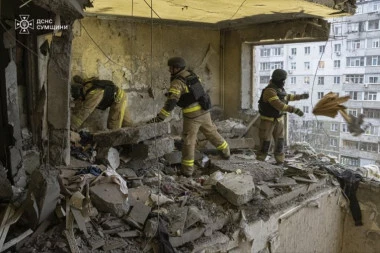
x=321, y=80
x=354, y=78
x=370, y=96
x=355, y=61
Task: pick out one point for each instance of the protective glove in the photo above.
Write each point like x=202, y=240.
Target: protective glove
x=155, y=120
x=298, y=112
x=305, y=96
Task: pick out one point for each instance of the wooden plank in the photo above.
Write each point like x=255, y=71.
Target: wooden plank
x=80, y=221
x=16, y=240
x=4, y=231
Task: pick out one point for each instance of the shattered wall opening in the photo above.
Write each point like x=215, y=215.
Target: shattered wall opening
x=121, y=200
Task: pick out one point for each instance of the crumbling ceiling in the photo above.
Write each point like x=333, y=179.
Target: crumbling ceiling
x=221, y=12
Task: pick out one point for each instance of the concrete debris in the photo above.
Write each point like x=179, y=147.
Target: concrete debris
x=177, y=217
x=188, y=236
x=43, y=193
x=121, y=206
x=110, y=156
x=151, y=149
x=31, y=161
x=260, y=171
x=231, y=127
x=215, y=243
x=138, y=215
x=237, y=189
x=131, y=135
x=108, y=198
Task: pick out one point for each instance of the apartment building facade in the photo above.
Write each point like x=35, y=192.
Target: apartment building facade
x=347, y=64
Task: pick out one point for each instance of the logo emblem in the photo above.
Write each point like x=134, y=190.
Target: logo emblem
x=24, y=24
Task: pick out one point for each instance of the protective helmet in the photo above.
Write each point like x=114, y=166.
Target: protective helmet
x=78, y=79
x=177, y=62
x=279, y=75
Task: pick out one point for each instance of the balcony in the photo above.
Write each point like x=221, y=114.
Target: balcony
x=359, y=153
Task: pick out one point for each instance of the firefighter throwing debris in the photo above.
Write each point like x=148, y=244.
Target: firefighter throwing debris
x=273, y=105
x=187, y=92
x=91, y=94
x=330, y=104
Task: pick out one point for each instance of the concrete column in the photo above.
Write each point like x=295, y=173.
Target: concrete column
x=11, y=120
x=58, y=98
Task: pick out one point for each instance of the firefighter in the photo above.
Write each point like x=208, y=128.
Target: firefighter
x=273, y=105
x=90, y=94
x=187, y=92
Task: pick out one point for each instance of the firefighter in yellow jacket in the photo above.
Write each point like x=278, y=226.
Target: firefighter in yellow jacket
x=273, y=105
x=94, y=94
x=187, y=92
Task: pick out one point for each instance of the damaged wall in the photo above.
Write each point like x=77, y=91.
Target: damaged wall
x=130, y=64
x=364, y=238
x=237, y=70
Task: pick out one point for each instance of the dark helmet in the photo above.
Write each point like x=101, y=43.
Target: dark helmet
x=78, y=79
x=177, y=62
x=279, y=75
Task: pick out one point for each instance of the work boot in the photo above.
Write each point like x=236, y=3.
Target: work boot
x=226, y=153
x=187, y=171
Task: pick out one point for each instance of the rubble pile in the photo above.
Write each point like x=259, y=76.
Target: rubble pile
x=125, y=195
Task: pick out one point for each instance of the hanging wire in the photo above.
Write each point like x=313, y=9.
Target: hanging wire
x=312, y=86
x=97, y=45
x=238, y=9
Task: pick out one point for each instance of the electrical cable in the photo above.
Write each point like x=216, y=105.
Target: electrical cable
x=97, y=45
x=238, y=9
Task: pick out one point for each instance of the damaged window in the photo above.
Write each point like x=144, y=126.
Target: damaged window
x=349, y=161
x=369, y=147
x=351, y=144
x=371, y=113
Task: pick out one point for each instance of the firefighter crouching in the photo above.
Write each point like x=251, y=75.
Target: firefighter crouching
x=187, y=92
x=91, y=94
x=273, y=105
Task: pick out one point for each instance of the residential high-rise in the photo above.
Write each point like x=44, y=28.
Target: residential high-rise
x=348, y=64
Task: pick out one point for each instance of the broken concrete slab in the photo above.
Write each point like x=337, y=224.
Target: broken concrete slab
x=231, y=127
x=110, y=156
x=188, y=236
x=260, y=171
x=129, y=234
x=108, y=198
x=194, y=215
x=237, y=189
x=296, y=191
x=265, y=191
x=138, y=215
x=145, y=164
x=216, y=242
x=45, y=190
x=140, y=194
x=31, y=161
x=151, y=149
x=131, y=135
x=177, y=216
